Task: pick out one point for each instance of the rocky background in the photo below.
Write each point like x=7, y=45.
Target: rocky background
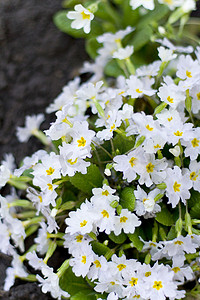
x=36, y=61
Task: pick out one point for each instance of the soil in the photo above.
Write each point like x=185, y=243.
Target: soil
x=36, y=61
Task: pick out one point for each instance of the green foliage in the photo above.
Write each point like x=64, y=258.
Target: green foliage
x=112, y=69
x=84, y=295
x=134, y=238
x=164, y=217
x=74, y=285
x=195, y=210
x=99, y=248
x=123, y=144
x=86, y=182
x=127, y=198
x=91, y=47
x=118, y=239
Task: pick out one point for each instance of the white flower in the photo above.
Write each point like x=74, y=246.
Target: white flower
x=41, y=240
x=83, y=258
x=123, y=53
x=81, y=220
x=126, y=221
x=99, y=265
x=130, y=164
x=17, y=270
x=148, y=4
x=34, y=261
x=175, y=151
x=137, y=88
x=32, y=124
x=51, y=283
x=166, y=54
x=82, y=18
x=178, y=186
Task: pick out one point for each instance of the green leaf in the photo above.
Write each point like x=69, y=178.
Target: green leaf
x=84, y=295
x=195, y=210
x=123, y=144
x=141, y=38
x=72, y=284
x=153, y=16
x=99, y=248
x=86, y=182
x=164, y=217
x=112, y=69
x=91, y=47
x=118, y=239
x=127, y=198
x=64, y=24
x=134, y=238
x=172, y=234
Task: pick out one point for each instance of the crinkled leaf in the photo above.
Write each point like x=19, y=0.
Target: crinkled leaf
x=72, y=284
x=86, y=182
x=134, y=237
x=123, y=144
x=164, y=217
x=84, y=295
x=195, y=200
x=118, y=239
x=127, y=198
x=99, y=248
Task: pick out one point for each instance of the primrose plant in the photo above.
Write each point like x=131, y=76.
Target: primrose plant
x=116, y=190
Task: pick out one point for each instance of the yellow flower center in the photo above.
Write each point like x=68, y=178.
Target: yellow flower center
x=97, y=264
x=170, y=100
x=122, y=92
x=193, y=176
x=81, y=142
x=178, y=243
x=147, y=274
x=176, y=186
x=195, y=142
x=83, y=259
x=40, y=198
x=145, y=199
x=112, y=127
x=85, y=16
x=82, y=224
x=121, y=267
x=149, y=128
x=188, y=74
x=136, y=296
x=105, y=214
x=131, y=161
x=198, y=96
x=133, y=281
x=138, y=91
x=123, y=219
x=105, y=193
x=112, y=283
x=157, y=285
x=79, y=238
x=178, y=133
x=150, y=168
x=72, y=162
x=50, y=186
x=169, y=119
x=50, y=171
x=157, y=146
x=152, y=244
x=176, y=269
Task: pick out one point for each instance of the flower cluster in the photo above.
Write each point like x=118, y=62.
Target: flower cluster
x=118, y=183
